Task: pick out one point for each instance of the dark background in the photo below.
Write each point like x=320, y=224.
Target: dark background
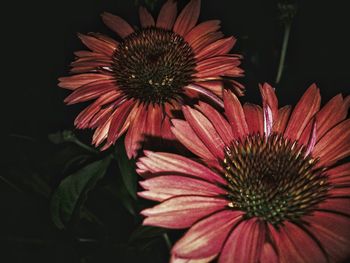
x=39, y=39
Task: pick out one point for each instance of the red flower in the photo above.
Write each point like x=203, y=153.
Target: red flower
x=138, y=82
x=267, y=188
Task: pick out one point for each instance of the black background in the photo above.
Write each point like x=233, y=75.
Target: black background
x=39, y=39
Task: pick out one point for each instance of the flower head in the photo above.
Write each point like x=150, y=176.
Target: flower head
x=138, y=82
x=267, y=187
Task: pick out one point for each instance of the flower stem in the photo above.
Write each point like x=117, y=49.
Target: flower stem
x=287, y=28
x=167, y=241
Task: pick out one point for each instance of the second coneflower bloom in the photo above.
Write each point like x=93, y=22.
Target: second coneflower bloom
x=138, y=82
x=268, y=186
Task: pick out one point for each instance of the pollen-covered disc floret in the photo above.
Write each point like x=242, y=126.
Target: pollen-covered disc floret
x=271, y=178
x=153, y=65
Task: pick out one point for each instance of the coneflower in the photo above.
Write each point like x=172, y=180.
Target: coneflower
x=267, y=186
x=139, y=81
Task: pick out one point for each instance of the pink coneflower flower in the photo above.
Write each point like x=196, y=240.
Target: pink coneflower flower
x=267, y=187
x=138, y=82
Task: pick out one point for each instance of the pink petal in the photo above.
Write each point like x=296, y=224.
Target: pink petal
x=175, y=259
x=269, y=98
x=76, y=81
x=201, y=91
x=166, y=131
x=98, y=45
x=117, y=24
x=215, y=86
x=174, y=164
x=330, y=115
x=146, y=18
x=167, y=15
x=188, y=17
x=101, y=132
x=296, y=245
x=207, y=236
x=245, y=243
x=334, y=145
x=235, y=115
x=220, y=47
x=268, y=254
x=202, y=29
x=206, y=40
x=216, y=66
x=185, y=134
x=333, y=232
x=182, y=212
x=154, y=120
x=91, y=91
x=118, y=120
x=336, y=205
x=205, y=131
x=268, y=120
x=304, y=111
x=312, y=139
x=221, y=125
x=339, y=174
x=282, y=120
x=135, y=134
x=254, y=118
x=173, y=185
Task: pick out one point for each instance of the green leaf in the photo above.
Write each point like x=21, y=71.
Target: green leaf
x=72, y=191
x=127, y=169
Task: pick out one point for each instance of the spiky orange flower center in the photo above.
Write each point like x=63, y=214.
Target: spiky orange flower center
x=272, y=178
x=153, y=65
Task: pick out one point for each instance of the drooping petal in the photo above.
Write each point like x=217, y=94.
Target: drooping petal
x=207, y=236
x=187, y=18
x=221, y=125
x=157, y=162
x=154, y=120
x=167, y=15
x=136, y=132
x=202, y=29
x=117, y=24
x=235, y=115
x=304, y=111
x=254, y=118
x=339, y=174
x=333, y=233
x=296, y=245
x=146, y=18
x=91, y=91
x=101, y=132
x=334, y=145
x=185, y=134
x=245, y=243
x=216, y=66
x=75, y=81
x=98, y=45
x=336, y=205
x=205, y=131
x=206, y=40
x=173, y=185
x=268, y=254
x=330, y=115
x=183, y=211
x=175, y=259
x=118, y=120
x=220, y=47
